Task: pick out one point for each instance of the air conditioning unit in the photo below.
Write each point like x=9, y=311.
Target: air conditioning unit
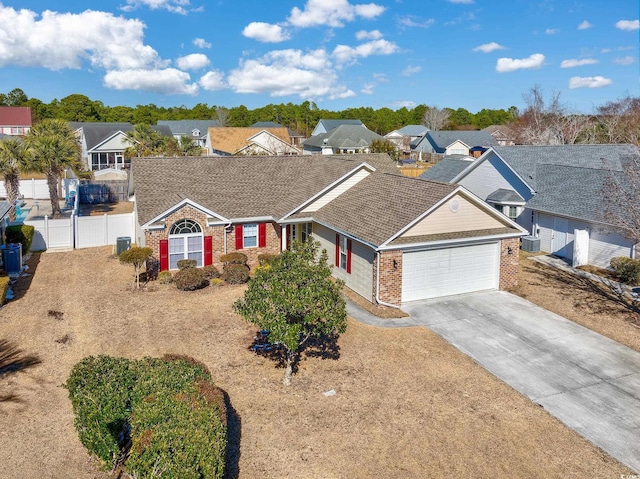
x=530, y=244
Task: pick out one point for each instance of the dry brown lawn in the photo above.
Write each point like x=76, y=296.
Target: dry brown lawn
x=584, y=301
x=407, y=404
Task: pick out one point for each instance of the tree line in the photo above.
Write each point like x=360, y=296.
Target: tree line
x=299, y=117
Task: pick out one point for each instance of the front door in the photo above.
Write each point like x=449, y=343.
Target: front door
x=559, y=237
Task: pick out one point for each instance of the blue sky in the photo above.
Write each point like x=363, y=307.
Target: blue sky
x=472, y=54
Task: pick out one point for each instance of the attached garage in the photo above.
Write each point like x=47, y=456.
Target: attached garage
x=447, y=271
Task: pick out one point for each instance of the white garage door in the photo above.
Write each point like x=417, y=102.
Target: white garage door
x=449, y=271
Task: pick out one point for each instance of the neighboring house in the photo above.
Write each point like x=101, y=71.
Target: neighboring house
x=103, y=144
x=557, y=194
x=406, y=137
x=453, y=142
x=391, y=238
x=296, y=138
x=227, y=141
x=447, y=168
x=325, y=126
x=15, y=120
x=343, y=139
x=197, y=130
x=503, y=135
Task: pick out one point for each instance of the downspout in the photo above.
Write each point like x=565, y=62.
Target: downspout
x=225, y=237
x=378, y=300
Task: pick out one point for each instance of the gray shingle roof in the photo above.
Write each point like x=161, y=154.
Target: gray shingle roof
x=234, y=187
x=568, y=179
x=503, y=195
x=344, y=136
x=380, y=205
x=96, y=133
x=446, y=169
x=185, y=127
x=413, y=130
x=442, y=138
x=5, y=207
x=331, y=124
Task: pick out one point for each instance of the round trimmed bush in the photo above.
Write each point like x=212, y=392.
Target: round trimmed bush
x=236, y=273
x=186, y=263
x=626, y=269
x=234, y=258
x=211, y=272
x=190, y=279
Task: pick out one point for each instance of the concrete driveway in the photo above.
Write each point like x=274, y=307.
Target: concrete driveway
x=589, y=382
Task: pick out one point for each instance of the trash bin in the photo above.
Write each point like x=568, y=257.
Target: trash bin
x=123, y=243
x=12, y=258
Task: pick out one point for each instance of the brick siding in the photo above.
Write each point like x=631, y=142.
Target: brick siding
x=390, y=277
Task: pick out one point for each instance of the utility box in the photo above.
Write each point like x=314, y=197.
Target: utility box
x=530, y=244
x=123, y=243
x=12, y=258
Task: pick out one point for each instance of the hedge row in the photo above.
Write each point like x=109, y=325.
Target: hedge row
x=168, y=410
x=21, y=234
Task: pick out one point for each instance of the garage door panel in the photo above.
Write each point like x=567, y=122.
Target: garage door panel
x=448, y=271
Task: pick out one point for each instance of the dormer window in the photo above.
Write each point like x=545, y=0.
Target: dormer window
x=195, y=132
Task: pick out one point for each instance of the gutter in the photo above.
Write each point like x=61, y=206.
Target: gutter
x=378, y=300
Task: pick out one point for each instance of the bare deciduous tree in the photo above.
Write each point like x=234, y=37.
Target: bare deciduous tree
x=621, y=192
x=619, y=120
x=222, y=115
x=434, y=118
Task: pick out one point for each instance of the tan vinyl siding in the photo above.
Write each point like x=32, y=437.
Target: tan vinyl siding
x=468, y=217
x=114, y=144
x=361, y=278
x=336, y=191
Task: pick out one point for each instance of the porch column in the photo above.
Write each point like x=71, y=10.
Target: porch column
x=283, y=238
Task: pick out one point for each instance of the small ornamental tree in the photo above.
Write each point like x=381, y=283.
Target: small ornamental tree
x=137, y=257
x=295, y=300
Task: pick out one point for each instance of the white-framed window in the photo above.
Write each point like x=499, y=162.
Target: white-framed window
x=305, y=231
x=250, y=235
x=185, y=242
x=512, y=212
x=344, y=252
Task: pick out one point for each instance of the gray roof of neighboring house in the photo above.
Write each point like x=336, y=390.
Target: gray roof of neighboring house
x=234, y=187
x=344, y=136
x=503, y=195
x=569, y=179
x=413, y=130
x=185, y=127
x=502, y=129
x=447, y=168
x=5, y=207
x=331, y=124
x=96, y=133
x=442, y=138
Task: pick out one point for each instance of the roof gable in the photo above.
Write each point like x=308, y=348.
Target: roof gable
x=233, y=139
x=344, y=136
x=440, y=139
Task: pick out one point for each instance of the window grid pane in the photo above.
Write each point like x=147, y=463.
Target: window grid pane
x=250, y=235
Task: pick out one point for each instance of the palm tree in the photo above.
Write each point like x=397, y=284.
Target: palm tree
x=14, y=158
x=54, y=148
x=144, y=141
x=189, y=147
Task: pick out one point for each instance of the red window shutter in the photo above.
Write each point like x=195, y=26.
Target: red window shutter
x=288, y=239
x=337, y=250
x=348, y=256
x=164, y=255
x=208, y=250
x=239, y=242
x=262, y=235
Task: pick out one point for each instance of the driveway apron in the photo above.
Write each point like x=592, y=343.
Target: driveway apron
x=589, y=382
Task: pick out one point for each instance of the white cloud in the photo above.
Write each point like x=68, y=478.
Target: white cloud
x=372, y=35
x=175, y=6
x=201, y=43
x=466, y=2
x=345, y=53
x=584, y=25
x=380, y=77
x=512, y=64
x=488, y=47
x=67, y=40
x=551, y=31
x=410, y=70
x=195, y=61
x=413, y=21
x=265, y=32
x=589, y=82
x=289, y=72
x=367, y=88
x=213, y=80
x=167, y=81
x=629, y=25
x=332, y=13
x=578, y=63
x=624, y=60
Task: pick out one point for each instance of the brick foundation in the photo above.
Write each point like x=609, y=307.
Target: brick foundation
x=509, y=263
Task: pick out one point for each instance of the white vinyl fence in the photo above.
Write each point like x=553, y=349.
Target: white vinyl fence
x=38, y=189
x=82, y=231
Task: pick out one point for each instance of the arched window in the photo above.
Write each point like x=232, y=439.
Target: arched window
x=185, y=242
